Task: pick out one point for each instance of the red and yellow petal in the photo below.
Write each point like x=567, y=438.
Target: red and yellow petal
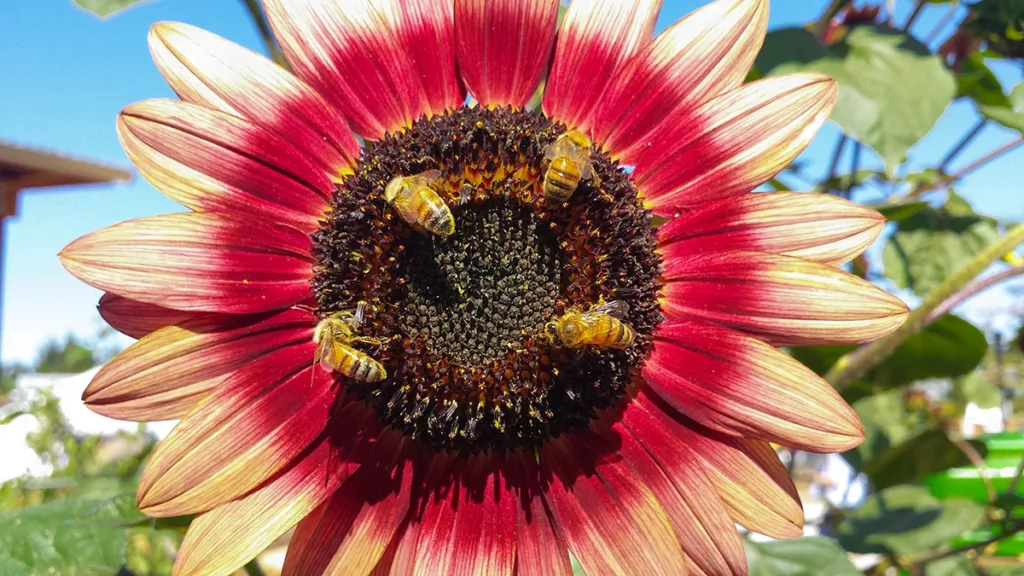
x=732, y=144
x=166, y=373
x=383, y=63
x=211, y=161
x=197, y=262
x=400, y=557
x=260, y=420
x=745, y=472
x=705, y=54
x=611, y=520
x=351, y=531
x=541, y=549
x=788, y=301
x=221, y=541
x=595, y=42
x=503, y=46
x=208, y=70
x=136, y=319
x=468, y=527
x=741, y=386
x=704, y=528
x=816, y=227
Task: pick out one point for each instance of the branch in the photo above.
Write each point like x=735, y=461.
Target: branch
x=946, y=19
x=914, y=15
x=969, y=168
x=948, y=159
x=1010, y=530
x=264, y=28
x=820, y=27
x=857, y=363
x=979, y=286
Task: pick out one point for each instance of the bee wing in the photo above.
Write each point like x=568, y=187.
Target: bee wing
x=326, y=354
x=423, y=178
x=614, y=308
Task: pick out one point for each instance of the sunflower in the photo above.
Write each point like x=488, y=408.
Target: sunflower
x=461, y=434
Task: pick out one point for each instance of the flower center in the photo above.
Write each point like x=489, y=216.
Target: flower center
x=460, y=322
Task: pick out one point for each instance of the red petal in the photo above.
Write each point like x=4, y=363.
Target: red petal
x=354, y=528
x=815, y=227
x=382, y=63
x=596, y=40
x=214, y=162
x=732, y=144
x=165, y=374
x=741, y=386
x=705, y=54
x=503, y=46
x=540, y=548
x=221, y=541
x=611, y=520
x=136, y=319
x=788, y=301
x=261, y=419
x=205, y=69
x=197, y=262
x=400, y=557
x=470, y=529
x=677, y=478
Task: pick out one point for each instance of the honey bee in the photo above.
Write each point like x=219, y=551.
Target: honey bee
x=568, y=163
x=334, y=336
x=601, y=327
x=418, y=204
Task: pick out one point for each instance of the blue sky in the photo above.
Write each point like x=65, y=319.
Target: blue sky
x=66, y=75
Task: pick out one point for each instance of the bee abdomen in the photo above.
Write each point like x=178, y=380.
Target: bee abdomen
x=436, y=217
x=360, y=367
x=561, y=180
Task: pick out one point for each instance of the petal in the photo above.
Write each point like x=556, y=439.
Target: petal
x=705, y=530
x=502, y=47
x=815, y=227
x=260, y=419
x=400, y=557
x=221, y=541
x=611, y=520
x=741, y=386
x=788, y=301
x=136, y=319
x=166, y=373
x=477, y=522
x=705, y=54
x=383, y=63
x=733, y=143
x=211, y=161
x=596, y=40
x=205, y=69
x=540, y=548
x=198, y=262
x=354, y=528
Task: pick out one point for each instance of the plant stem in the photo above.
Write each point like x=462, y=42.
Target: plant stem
x=854, y=168
x=948, y=159
x=833, y=167
x=914, y=15
x=857, y=363
x=820, y=27
x=1012, y=488
x=253, y=569
x=992, y=155
x=1010, y=529
x=946, y=19
x=264, y=28
x=980, y=285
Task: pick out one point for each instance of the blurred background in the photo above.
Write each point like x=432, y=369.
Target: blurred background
x=927, y=130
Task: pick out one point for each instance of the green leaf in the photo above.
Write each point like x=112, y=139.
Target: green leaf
x=976, y=81
x=911, y=460
x=892, y=88
x=947, y=348
x=952, y=566
x=1012, y=114
x=934, y=243
x=69, y=537
x=982, y=392
x=803, y=557
x=899, y=211
x=907, y=520
x=104, y=8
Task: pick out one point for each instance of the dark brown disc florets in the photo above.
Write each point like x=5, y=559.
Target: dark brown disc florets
x=469, y=364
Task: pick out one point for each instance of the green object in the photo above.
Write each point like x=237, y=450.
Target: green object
x=966, y=481
x=803, y=557
x=104, y=8
x=1011, y=546
x=1004, y=445
x=907, y=520
x=1010, y=115
x=892, y=88
x=936, y=242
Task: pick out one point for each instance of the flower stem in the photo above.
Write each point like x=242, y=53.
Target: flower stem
x=914, y=15
x=979, y=286
x=820, y=27
x=857, y=363
x=264, y=28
